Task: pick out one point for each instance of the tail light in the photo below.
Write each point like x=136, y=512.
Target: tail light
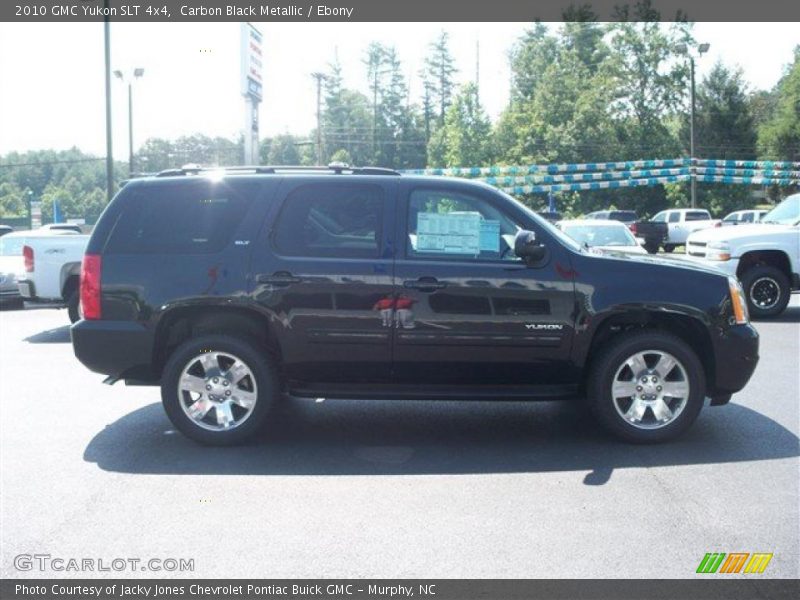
x=633, y=228
x=90, y=286
x=27, y=255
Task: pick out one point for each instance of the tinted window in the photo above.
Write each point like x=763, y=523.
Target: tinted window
x=747, y=217
x=674, y=217
x=455, y=225
x=622, y=215
x=197, y=217
x=697, y=215
x=331, y=220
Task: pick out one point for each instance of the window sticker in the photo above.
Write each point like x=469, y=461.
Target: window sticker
x=490, y=235
x=449, y=233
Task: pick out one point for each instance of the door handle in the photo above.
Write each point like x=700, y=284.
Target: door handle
x=425, y=284
x=281, y=278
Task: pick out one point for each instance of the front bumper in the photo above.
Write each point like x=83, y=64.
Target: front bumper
x=736, y=359
x=120, y=349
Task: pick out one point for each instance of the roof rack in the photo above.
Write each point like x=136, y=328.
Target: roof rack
x=336, y=168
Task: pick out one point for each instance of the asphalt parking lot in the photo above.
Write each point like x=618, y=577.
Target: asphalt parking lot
x=382, y=489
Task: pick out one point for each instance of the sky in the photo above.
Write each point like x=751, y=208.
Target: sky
x=52, y=85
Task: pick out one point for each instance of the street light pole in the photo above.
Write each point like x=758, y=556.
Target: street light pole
x=684, y=49
x=109, y=142
x=691, y=139
x=320, y=77
x=137, y=72
x=130, y=129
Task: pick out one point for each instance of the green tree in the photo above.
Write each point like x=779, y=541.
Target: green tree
x=438, y=76
x=465, y=139
x=779, y=137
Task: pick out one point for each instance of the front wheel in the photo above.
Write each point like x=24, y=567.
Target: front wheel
x=218, y=389
x=668, y=248
x=646, y=386
x=767, y=291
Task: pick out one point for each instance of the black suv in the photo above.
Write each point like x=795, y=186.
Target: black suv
x=229, y=288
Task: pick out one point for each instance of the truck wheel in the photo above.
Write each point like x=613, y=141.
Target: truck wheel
x=218, y=389
x=72, y=307
x=651, y=248
x=668, y=248
x=646, y=386
x=767, y=291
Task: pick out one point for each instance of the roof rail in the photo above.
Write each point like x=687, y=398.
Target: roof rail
x=337, y=168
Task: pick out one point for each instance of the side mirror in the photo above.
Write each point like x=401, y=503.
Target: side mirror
x=528, y=248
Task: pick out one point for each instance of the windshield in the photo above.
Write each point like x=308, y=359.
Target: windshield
x=11, y=246
x=786, y=213
x=600, y=236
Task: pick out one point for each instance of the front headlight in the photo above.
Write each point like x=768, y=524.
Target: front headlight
x=738, y=302
x=718, y=251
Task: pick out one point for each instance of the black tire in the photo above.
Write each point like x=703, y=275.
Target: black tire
x=766, y=290
x=72, y=307
x=668, y=248
x=651, y=248
x=612, y=356
x=262, y=367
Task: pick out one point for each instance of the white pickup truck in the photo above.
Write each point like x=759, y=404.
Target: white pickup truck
x=52, y=266
x=764, y=256
x=683, y=221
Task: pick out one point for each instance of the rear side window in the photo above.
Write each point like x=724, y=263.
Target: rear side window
x=697, y=215
x=622, y=215
x=748, y=217
x=331, y=221
x=197, y=217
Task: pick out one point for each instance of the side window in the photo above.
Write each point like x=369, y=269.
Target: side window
x=331, y=220
x=660, y=217
x=182, y=218
x=449, y=224
x=674, y=217
x=747, y=217
x=698, y=215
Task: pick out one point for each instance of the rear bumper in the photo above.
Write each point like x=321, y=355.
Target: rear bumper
x=120, y=349
x=27, y=289
x=736, y=359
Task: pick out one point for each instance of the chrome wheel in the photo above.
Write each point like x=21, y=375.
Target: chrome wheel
x=217, y=391
x=765, y=293
x=650, y=389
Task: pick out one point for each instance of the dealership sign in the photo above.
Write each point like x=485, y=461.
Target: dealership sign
x=252, y=64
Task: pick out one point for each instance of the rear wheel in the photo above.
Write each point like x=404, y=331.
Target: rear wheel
x=651, y=247
x=668, y=248
x=72, y=307
x=218, y=389
x=767, y=291
x=647, y=386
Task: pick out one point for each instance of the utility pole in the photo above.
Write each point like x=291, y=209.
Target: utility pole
x=320, y=77
x=109, y=142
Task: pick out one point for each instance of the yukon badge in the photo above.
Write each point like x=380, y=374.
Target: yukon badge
x=544, y=326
